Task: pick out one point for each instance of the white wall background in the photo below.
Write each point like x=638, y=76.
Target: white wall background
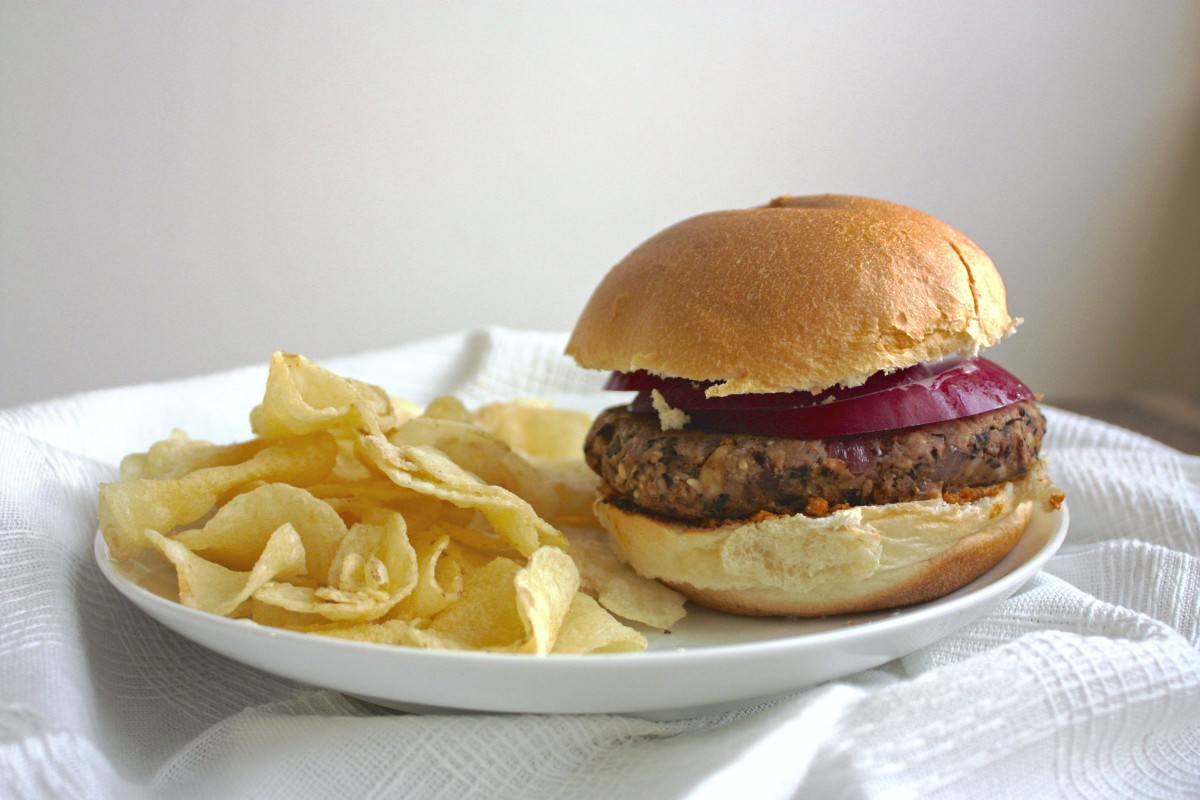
x=188, y=186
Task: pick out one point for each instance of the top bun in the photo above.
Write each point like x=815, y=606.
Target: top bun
x=801, y=294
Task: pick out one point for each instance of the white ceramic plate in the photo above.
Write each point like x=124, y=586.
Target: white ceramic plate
x=709, y=662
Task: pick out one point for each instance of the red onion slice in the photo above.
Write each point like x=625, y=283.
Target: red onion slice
x=919, y=395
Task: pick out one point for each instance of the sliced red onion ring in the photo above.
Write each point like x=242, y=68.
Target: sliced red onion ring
x=926, y=393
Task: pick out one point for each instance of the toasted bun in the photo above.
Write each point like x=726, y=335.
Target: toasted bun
x=802, y=294
x=859, y=559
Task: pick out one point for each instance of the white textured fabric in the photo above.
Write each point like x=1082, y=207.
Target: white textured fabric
x=1084, y=684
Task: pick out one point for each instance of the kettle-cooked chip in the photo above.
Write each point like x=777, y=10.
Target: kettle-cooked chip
x=373, y=570
x=447, y=407
x=588, y=628
x=430, y=472
x=618, y=588
x=439, y=580
x=485, y=616
x=484, y=456
x=376, y=555
x=508, y=607
x=574, y=486
x=180, y=454
x=128, y=508
x=544, y=591
x=536, y=428
x=302, y=397
x=550, y=440
x=392, y=631
x=238, y=531
x=324, y=602
x=210, y=587
x=346, y=518
x=277, y=617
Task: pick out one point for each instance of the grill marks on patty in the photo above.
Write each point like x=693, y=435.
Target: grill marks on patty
x=697, y=476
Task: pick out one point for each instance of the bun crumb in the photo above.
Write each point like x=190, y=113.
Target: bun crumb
x=669, y=419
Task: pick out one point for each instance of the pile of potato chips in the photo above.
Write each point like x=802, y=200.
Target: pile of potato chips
x=355, y=516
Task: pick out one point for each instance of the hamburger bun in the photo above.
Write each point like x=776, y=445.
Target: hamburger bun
x=858, y=559
x=802, y=294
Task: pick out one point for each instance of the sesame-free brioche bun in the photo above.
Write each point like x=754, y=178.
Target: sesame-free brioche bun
x=863, y=558
x=801, y=294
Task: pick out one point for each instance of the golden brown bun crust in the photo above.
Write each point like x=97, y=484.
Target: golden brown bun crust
x=801, y=294
x=864, y=559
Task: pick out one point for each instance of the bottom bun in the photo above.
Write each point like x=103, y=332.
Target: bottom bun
x=858, y=559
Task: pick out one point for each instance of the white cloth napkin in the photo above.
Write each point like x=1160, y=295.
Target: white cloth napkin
x=1084, y=684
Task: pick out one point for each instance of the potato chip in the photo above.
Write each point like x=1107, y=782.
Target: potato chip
x=238, y=531
x=617, y=587
x=395, y=631
x=544, y=592
x=323, y=602
x=551, y=442
x=483, y=455
x=374, y=492
x=349, y=468
x=404, y=409
x=276, y=617
x=439, y=580
x=535, y=428
x=179, y=454
x=211, y=587
x=422, y=511
x=482, y=541
x=470, y=559
x=302, y=397
x=128, y=508
x=506, y=607
x=448, y=407
x=574, y=486
x=376, y=555
x=430, y=472
x=485, y=616
x=356, y=567
x=588, y=628
x=373, y=570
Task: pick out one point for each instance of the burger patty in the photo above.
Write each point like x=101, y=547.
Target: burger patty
x=698, y=476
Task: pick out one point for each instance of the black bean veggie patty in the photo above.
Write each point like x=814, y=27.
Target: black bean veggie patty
x=697, y=476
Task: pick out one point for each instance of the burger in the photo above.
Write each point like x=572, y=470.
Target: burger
x=813, y=431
